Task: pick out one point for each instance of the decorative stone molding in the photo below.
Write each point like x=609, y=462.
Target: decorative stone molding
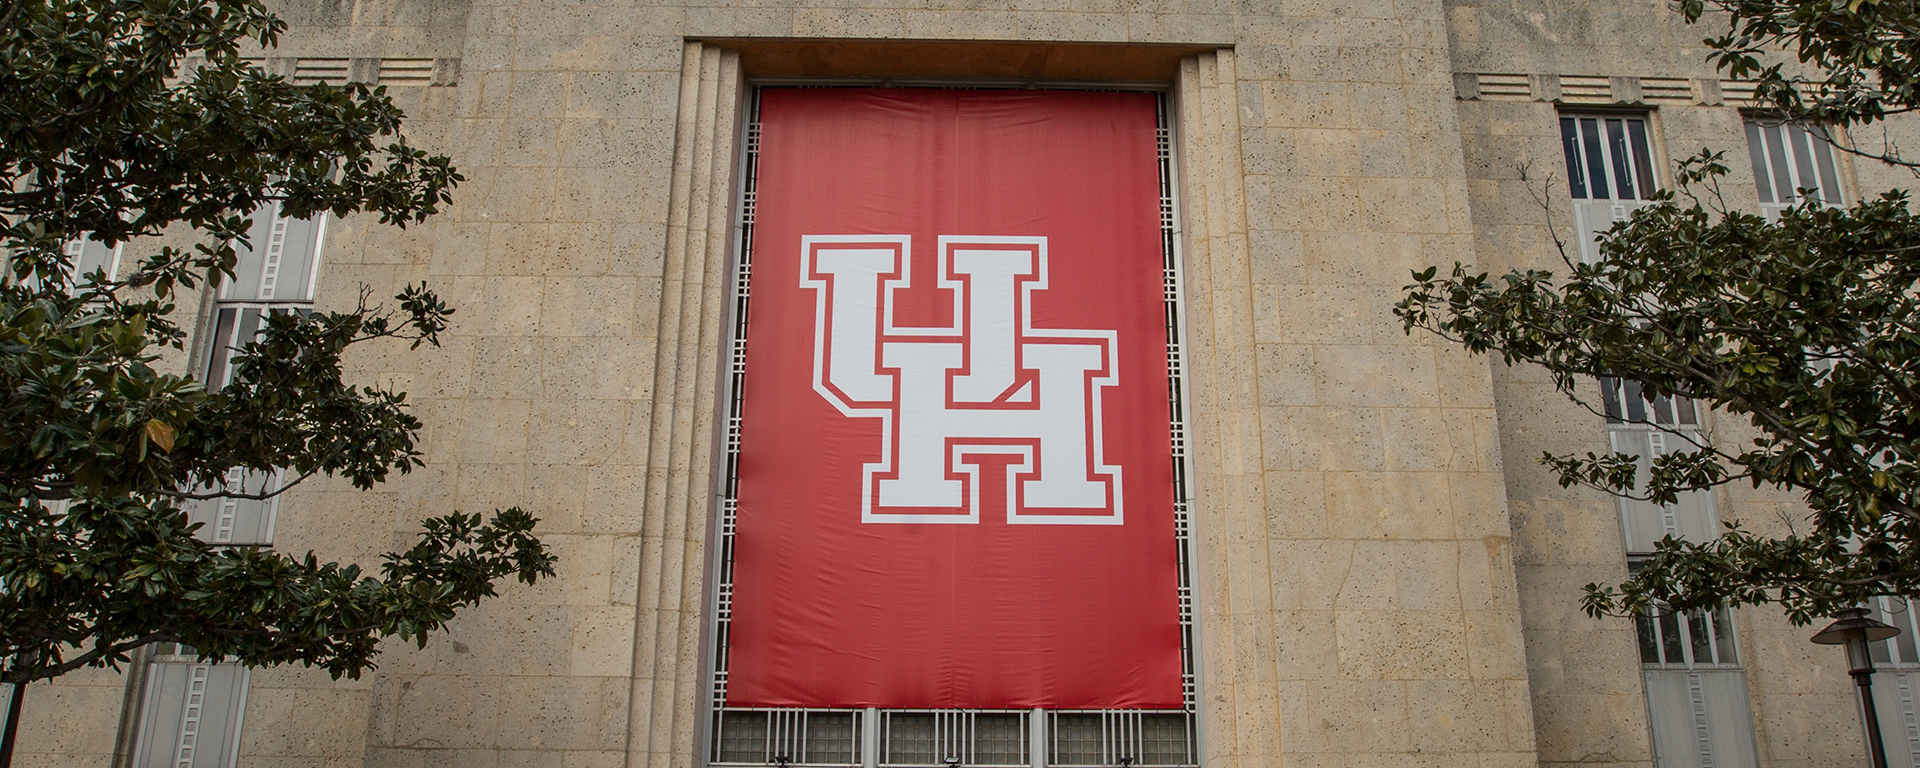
x=375, y=71
x=668, y=699
x=1599, y=89
x=1233, y=593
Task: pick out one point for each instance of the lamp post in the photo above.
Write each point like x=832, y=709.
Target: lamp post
x=1855, y=630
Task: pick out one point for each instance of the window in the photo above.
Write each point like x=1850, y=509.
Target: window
x=84, y=257
x=1635, y=426
x=1609, y=172
x=1788, y=158
x=1896, y=685
x=89, y=256
x=1696, y=691
x=274, y=276
x=236, y=521
x=190, y=715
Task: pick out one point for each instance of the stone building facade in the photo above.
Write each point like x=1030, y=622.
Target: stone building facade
x=1383, y=574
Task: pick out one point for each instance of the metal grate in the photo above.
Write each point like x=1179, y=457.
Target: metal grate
x=877, y=738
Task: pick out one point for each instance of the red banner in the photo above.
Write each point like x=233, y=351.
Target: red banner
x=955, y=478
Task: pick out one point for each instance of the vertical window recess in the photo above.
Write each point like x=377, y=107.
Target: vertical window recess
x=877, y=738
x=1696, y=690
x=191, y=713
x=273, y=275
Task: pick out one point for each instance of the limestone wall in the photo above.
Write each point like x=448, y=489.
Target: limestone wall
x=1385, y=576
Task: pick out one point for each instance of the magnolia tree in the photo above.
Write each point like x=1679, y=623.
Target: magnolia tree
x=104, y=136
x=1807, y=326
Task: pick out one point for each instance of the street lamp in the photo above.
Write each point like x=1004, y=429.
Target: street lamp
x=1855, y=630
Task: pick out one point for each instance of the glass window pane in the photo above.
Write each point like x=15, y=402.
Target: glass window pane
x=236, y=520
x=1757, y=152
x=1076, y=739
x=1610, y=397
x=909, y=739
x=1621, y=169
x=276, y=263
x=743, y=737
x=1570, y=142
x=1663, y=410
x=1649, y=635
x=1702, y=646
x=290, y=277
x=1782, y=177
x=1635, y=402
x=1684, y=405
x=1724, y=652
x=1882, y=652
x=1596, y=161
x=830, y=738
x=1670, y=642
x=91, y=256
x=1902, y=618
x=1165, y=740
x=245, y=331
x=216, y=377
x=191, y=717
x=250, y=256
x=1823, y=157
x=999, y=739
x=1802, y=156
x=1642, y=157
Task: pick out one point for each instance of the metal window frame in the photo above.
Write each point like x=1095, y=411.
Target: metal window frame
x=1611, y=174
x=269, y=254
x=76, y=247
x=1684, y=623
x=1822, y=158
x=1903, y=613
x=870, y=732
x=1620, y=396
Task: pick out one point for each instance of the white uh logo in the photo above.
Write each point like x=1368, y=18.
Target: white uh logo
x=987, y=383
